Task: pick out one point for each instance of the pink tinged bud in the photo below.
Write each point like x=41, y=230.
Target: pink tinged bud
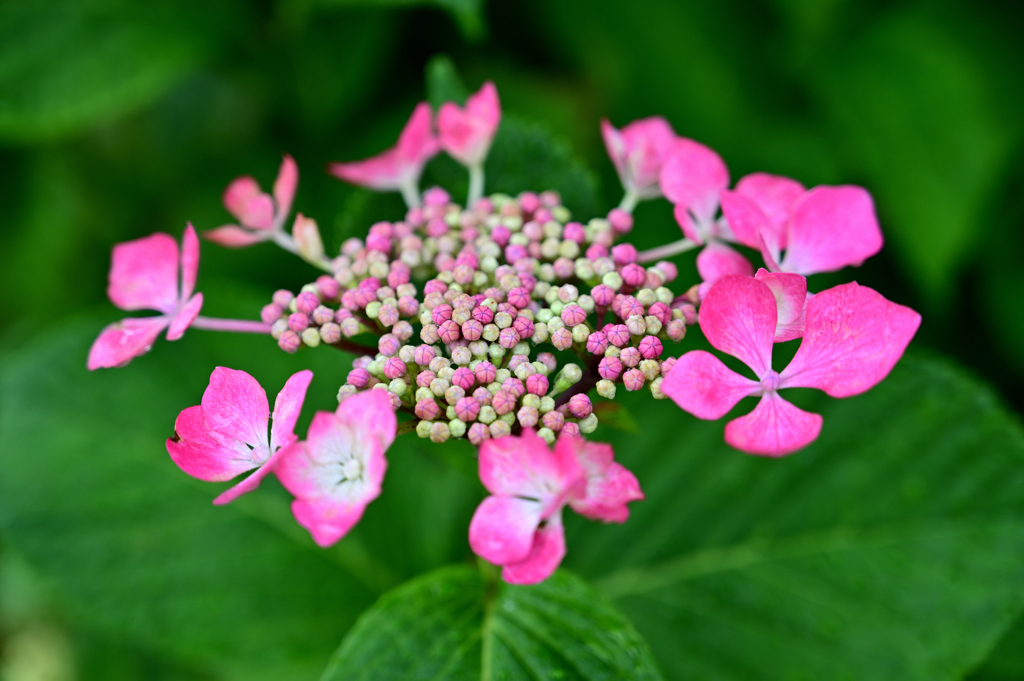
x=424, y=353
x=483, y=396
x=633, y=379
x=388, y=315
x=289, y=341
x=514, y=387
x=517, y=361
x=661, y=311
x=564, y=268
x=580, y=406
x=360, y=378
x=376, y=242
x=270, y=313
x=533, y=230
x=306, y=302
x=602, y=295
x=650, y=347
x=429, y=334
x=570, y=428
x=438, y=227
x=424, y=378
x=330, y=333
x=307, y=238
x=610, y=368
x=620, y=220
x=676, y=330
x=537, y=384
x=350, y=327
x=523, y=326
x=595, y=252
x=393, y=368
x=529, y=202
x=441, y=313
x=574, y=231
x=341, y=315
x=478, y=432
x=397, y=277
x=467, y=409
x=508, y=338
x=666, y=365
x=515, y=252
x=597, y=343
x=629, y=307
x=322, y=315
x=527, y=416
x=414, y=216
x=434, y=286
x=562, y=338
x=500, y=429
x=448, y=331
x=348, y=300
x=549, y=360
x=283, y=298
x=436, y=197
x=464, y=378
x=633, y=275
x=486, y=373
x=472, y=330
x=408, y=306
x=623, y=254
x=553, y=420
x=618, y=335
x=519, y=297
x=428, y=410
x=503, y=402
x=573, y=314
x=298, y=322
x=388, y=345
x=630, y=356
x=483, y=314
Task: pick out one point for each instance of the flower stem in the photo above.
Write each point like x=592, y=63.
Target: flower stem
x=666, y=251
x=476, y=184
x=235, y=325
x=629, y=202
x=411, y=194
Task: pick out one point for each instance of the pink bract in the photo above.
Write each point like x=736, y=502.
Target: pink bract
x=520, y=525
x=259, y=215
x=226, y=434
x=398, y=168
x=852, y=339
x=144, y=276
x=692, y=178
x=638, y=152
x=339, y=468
x=466, y=133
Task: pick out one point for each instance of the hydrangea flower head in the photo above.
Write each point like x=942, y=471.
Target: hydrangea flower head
x=226, y=434
x=852, y=339
x=144, y=275
x=520, y=525
x=338, y=469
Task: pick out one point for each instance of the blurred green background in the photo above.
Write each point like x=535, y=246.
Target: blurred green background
x=122, y=118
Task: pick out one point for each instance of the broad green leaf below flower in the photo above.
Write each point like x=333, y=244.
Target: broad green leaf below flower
x=456, y=623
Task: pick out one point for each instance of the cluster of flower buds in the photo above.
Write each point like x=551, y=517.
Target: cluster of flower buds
x=501, y=321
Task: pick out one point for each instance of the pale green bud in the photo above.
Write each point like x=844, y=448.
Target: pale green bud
x=606, y=389
x=589, y=424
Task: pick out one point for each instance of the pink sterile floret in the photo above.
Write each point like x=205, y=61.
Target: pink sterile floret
x=520, y=525
x=466, y=133
x=259, y=215
x=227, y=433
x=337, y=470
x=821, y=230
x=398, y=168
x=144, y=276
x=852, y=339
x=638, y=152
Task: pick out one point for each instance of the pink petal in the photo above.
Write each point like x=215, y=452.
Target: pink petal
x=202, y=454
x=418, y=144
x=616, y=146
x=235, y=406
x=189, y=261
x=327, y=519
x=774, y=428
x=502, y=529
x=852, y=340
x=371, y=418
x=144, y=274
x=686, y=223
x=307, y=238
x=639, y=151
x=609, y=486
x=249, y=483
x=693, y=176
x=717, y=260
x=287, y=407
x=775, y=196
x=284, y=188
x=523, y=466
x=384, y=172
x=831, y=228
x=700, y=384
x=466, y=134
x=234, y=236
x=547, y=554
x=790, y=291
x=748, y=222
x=738, y=316
x=121, y=341
x=188, y=313
x=245, y=201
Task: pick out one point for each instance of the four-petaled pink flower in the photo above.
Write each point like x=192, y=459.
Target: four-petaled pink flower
x=338, y=469
x=693, y=178
x=259, y=215
x=520, y=526
x=852, y=339
x=144, y=276
x=638, y=151
x=821, y=230
x=398, y=168
x=226, y=434
x=466, y=133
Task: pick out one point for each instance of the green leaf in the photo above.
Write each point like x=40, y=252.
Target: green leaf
x=443, y=82
x=455, y=624
x=91, y=499
x=467, y=13
x=889, y=549
x=1006, y=662
x=67, y=65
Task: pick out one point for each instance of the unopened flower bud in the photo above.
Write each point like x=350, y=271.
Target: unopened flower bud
x=610, y=368
x=612, y=280
x=567, y=377
x=289, y=341
x=477, y=433
x=311, y=337
x=606, y=389
x=439, y=432
x=588, y=425
x=650, y=368
x=630, y=356
x=527, y=417
x=277, y=328
x=633, y=379
x=580, y=406
x=393, y=367
x=500, y=429
x=636, y=325
x=350, y=327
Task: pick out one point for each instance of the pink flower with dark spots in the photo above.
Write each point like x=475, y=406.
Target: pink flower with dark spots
x=398, y=168
x=144, y=276
x=823, y=229
x=852, y=339
x=260, y=216
x=466, y=132
x=337, y=470
x=226, y=434
x=520, y=525
x=638, y=152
